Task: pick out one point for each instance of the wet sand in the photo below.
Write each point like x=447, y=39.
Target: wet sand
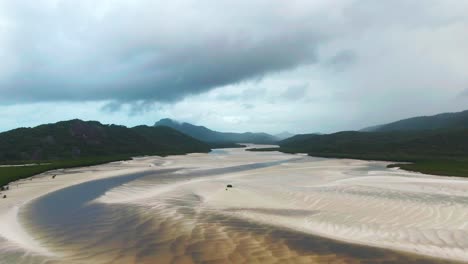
x=280, y=210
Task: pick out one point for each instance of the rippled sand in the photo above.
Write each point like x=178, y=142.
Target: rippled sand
x=180, y=211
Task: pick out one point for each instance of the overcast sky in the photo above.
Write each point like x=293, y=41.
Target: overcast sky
x=244, y=65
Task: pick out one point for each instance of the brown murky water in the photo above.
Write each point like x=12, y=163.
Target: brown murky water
x=173, y=229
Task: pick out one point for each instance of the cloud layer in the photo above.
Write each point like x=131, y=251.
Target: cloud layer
x=272, y=65
x=147, y=50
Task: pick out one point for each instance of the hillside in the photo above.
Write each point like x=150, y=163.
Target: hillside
x=441, y=152
x=441, y=121
x=79, y=139
x=383, y=145
x=283, y=135
x=207, y=135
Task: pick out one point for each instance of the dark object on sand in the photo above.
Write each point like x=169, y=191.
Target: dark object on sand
x=229, y=186
x=4, y=196
x=53, y=177
x=5, y=188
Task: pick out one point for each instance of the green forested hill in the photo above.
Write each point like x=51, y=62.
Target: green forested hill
x=444, y=121
x=208, y=135
x=78, y=139
x=383, y=145
x=443, y=152
x=435, y=144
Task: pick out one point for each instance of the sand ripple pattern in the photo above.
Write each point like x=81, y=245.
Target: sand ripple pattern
x=282, y=209
x=349, y=200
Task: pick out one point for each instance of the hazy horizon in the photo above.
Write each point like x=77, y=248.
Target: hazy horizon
x=260, y=66
x=240, y=131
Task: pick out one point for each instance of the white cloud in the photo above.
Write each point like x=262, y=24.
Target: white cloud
x=258, y=65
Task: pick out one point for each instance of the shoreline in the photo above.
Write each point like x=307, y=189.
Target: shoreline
x=437, y=166
x=26, y=190
x=388, y=208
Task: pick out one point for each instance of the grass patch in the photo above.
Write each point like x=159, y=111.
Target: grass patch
x=10, y=174
x=264, y=149
x=437, y=167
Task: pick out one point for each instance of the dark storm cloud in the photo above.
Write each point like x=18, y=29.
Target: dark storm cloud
x=145, y=50
x=232, y=64
x=342, y=60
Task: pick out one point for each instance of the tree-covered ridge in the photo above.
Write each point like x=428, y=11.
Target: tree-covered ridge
x=387, y=145
x=443, y=152
x=77, y=139
x=441, y=121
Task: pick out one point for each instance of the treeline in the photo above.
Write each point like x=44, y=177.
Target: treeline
x=433, y=151
x=76, y=139
x=404, y=146
x=78, y=143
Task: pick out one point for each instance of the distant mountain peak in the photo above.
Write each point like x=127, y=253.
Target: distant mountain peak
x=167, y=121
x=457, y=120
x=205, y=134
x=283, y=135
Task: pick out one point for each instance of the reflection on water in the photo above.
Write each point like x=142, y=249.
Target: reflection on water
x=173, y=229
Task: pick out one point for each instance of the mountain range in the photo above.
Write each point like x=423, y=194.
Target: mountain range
x=440, y=135
x=77, y=139
x=395, y=146
x=283, y=135
x=207, y=135
x=435, y=144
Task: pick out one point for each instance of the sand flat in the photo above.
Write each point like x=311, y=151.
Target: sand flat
x=24, y=191
x=349, y=200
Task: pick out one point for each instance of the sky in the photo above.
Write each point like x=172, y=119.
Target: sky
x=248, y=65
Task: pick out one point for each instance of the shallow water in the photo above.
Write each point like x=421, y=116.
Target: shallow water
x=174, y=228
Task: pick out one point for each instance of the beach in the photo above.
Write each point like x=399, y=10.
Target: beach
x=187, y=198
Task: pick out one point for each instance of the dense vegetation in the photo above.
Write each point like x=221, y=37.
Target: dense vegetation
x=217, y=145
x=437, y=167
x=432, y=151
x=78, y=139
x=79, y=143
x=437, y=144
x=385, y=145
x=207, y=135
x=9, y=174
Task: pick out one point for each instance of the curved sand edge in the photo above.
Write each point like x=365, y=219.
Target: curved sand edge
x=333, y=198
x=24, y=191
x=379, y=207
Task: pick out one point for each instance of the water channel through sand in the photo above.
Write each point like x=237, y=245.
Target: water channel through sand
x=281, y=209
